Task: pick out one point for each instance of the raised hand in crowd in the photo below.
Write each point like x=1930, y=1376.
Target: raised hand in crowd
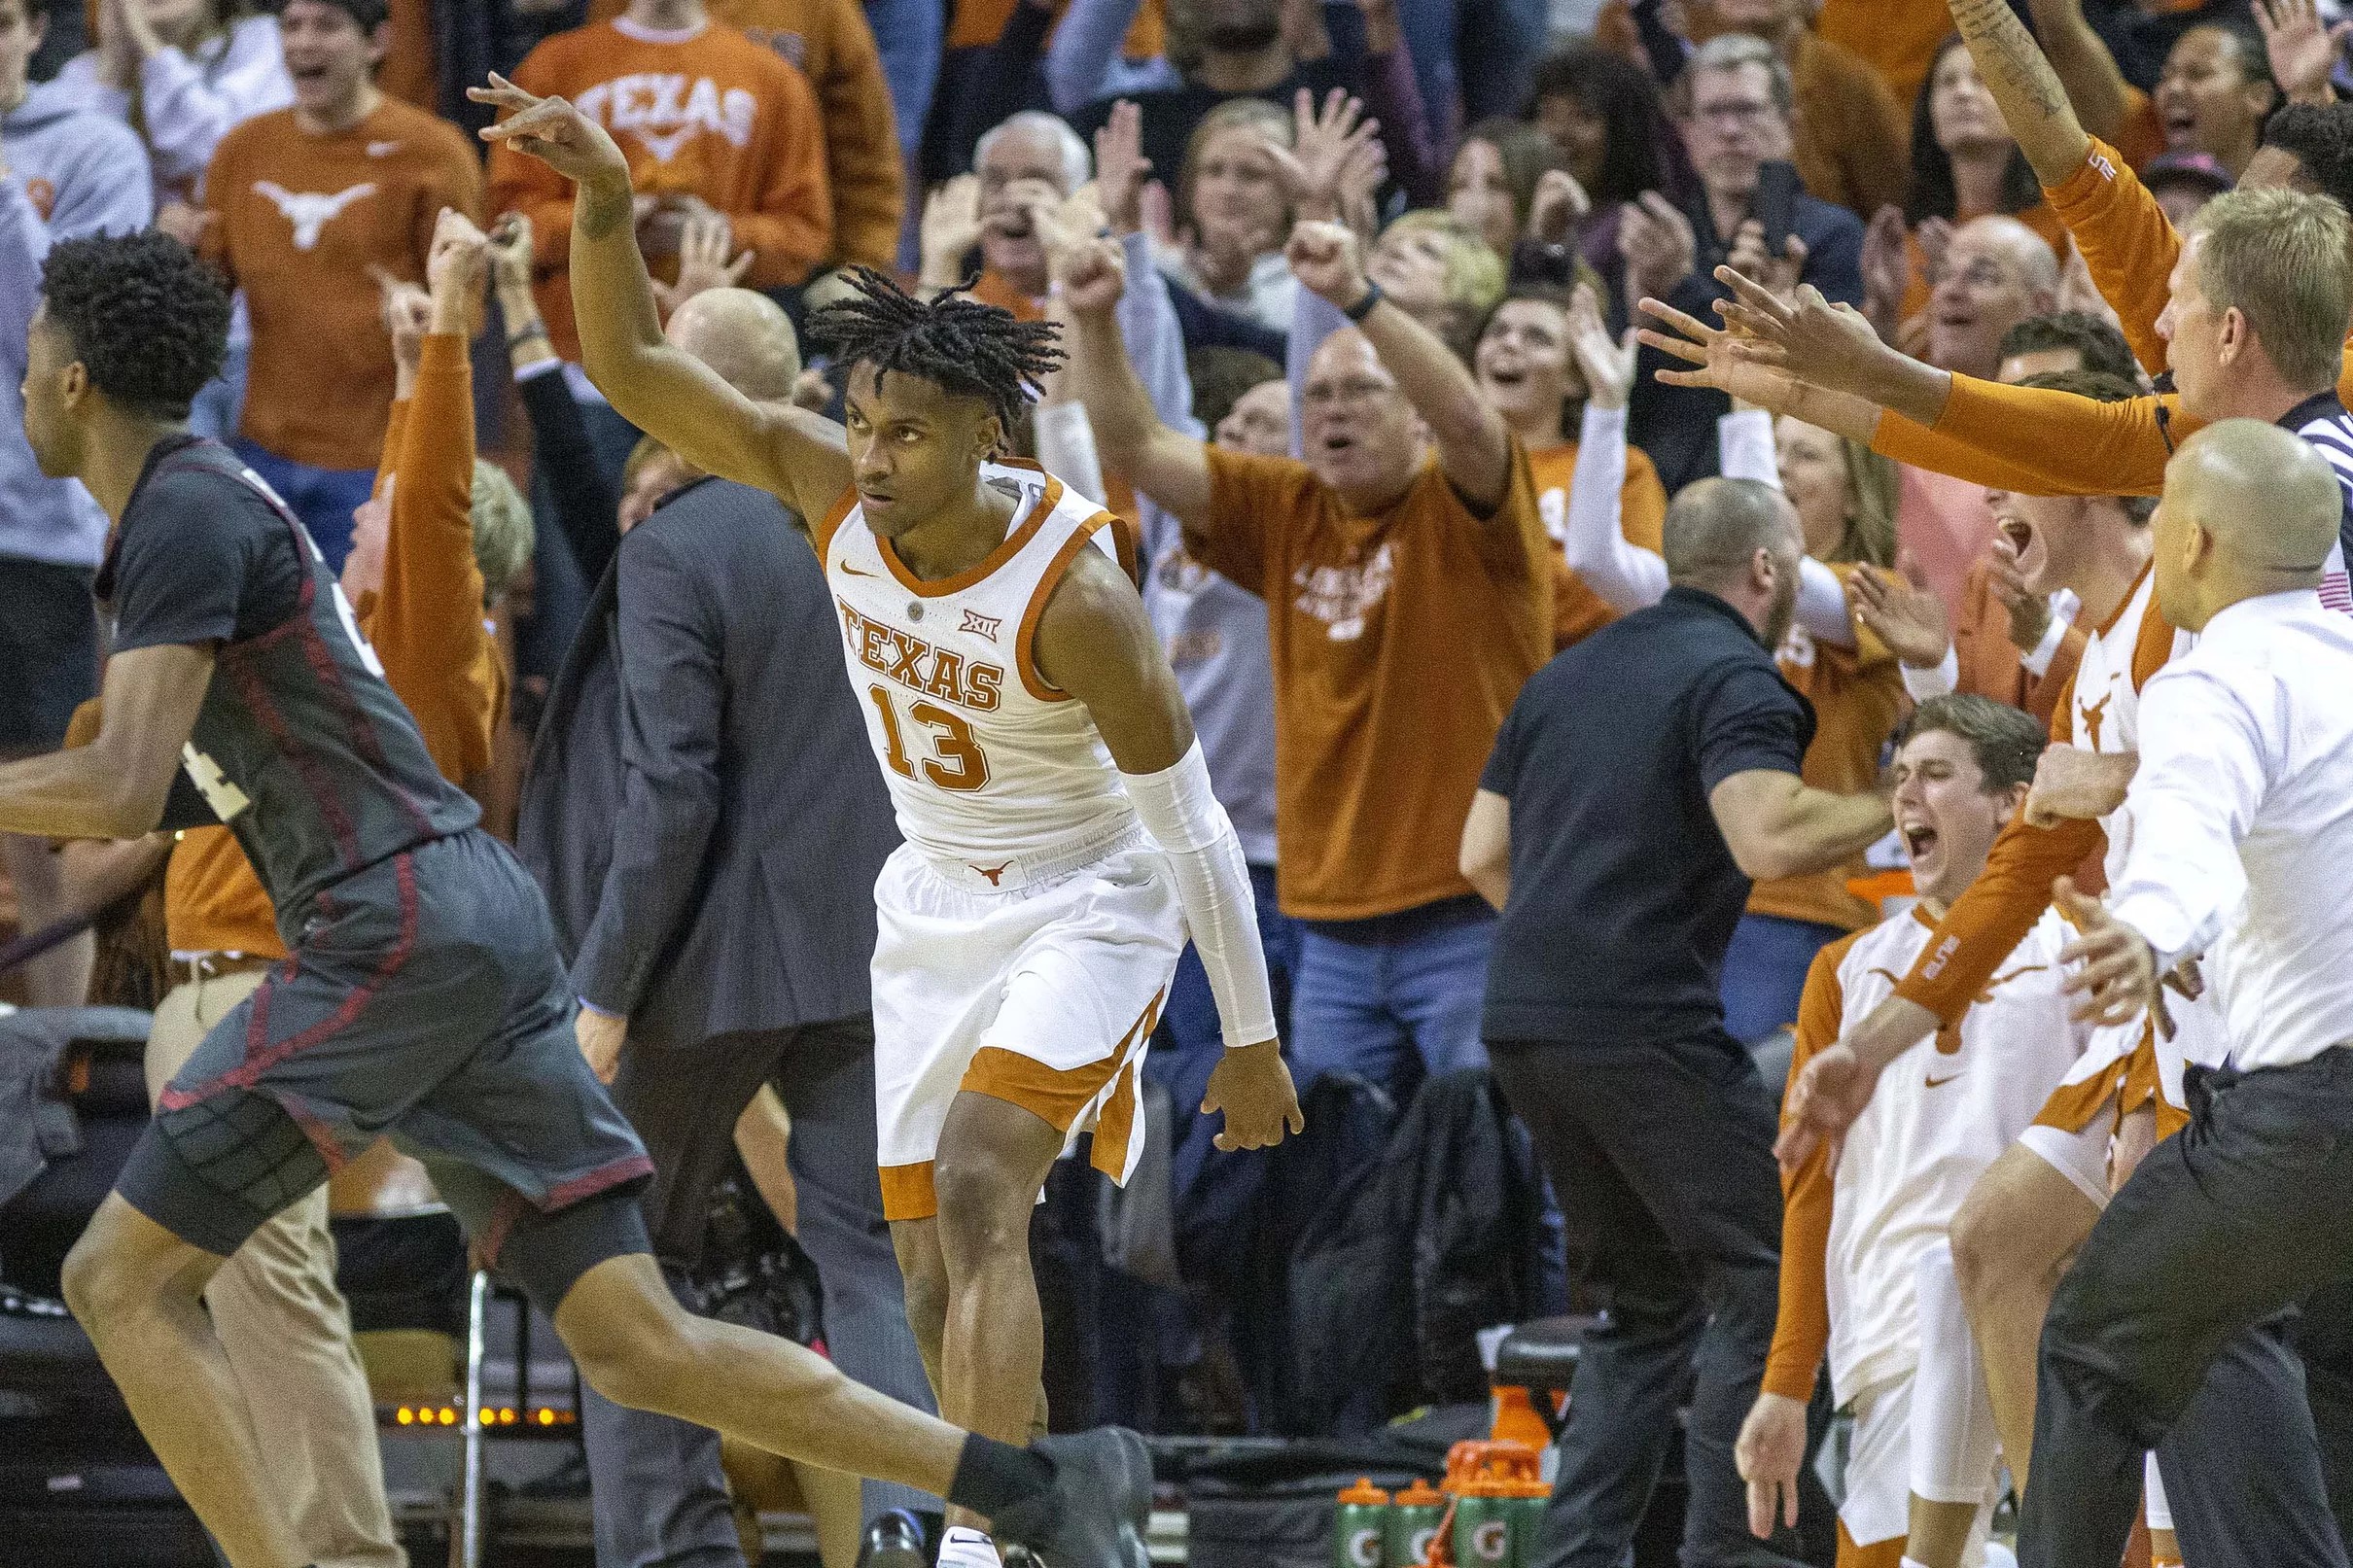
x=1121, y=169
x=1608, y=364
x=702, y=264
x=1362, y=177
x=456, y=265
x=2304, y=49
x=1901, y=610
x=951, y=226
x=1780, y=274
x=182, y=220
x=1886, y=270
x=1659, y=246
x=1313, y=169
x=407, y=311
x=1328, y=261
x=511, y=249
x=2029, y=613
x=1558, y=205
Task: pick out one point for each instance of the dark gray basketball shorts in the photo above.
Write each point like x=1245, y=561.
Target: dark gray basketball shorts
x=424, y=1002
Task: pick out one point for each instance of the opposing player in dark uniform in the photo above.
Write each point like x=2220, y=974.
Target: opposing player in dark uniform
x=423, y=997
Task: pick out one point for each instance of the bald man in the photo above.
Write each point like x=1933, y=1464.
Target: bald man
x=1997, y=272
x=2240, y=852
x=708, y=821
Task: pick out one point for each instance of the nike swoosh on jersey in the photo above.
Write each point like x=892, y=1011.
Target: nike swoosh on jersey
x=1939, y=1082
x=848, y=570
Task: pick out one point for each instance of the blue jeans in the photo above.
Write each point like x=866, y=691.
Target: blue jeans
x=220, y=401
x=1764, y=972
x=323, y=497
x=909, y=35
x=1394, y=997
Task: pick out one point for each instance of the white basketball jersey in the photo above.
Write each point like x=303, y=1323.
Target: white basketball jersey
x=988, y=764
x=1942, y=1112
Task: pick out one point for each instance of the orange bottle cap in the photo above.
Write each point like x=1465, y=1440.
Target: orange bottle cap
x=1421, y=1494
x=1364, y=1493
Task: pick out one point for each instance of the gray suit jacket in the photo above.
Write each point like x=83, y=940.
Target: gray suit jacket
x=702, y=807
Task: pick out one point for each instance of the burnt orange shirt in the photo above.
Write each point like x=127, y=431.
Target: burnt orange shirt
x=1990, y=665
x=1859, y=697
x=705, y=113
x=1399, y=640
x=2127, y=241
x=1852, y=141
x=427, y=625
x=1577, y=610
x=830, y=44
x=298, y=220
x=2003, y=904
x=1898, y=37
x=979, y=23
x=1800, y=1331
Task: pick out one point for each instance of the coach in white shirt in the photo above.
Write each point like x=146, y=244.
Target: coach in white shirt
x=2239, y=848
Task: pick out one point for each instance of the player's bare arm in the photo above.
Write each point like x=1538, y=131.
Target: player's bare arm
x=2037, y=107
x=1096, y=643
x=1777, y=825
x=1473, y=442
x=794, y=455
x=116, y=786
x=1171, y=467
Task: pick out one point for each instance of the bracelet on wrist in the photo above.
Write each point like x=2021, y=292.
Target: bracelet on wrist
x=1363, y=306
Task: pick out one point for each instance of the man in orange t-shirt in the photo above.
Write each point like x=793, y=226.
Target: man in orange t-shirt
x=304, y=206
x=1407, y=578
x=713, y=125
x=830, y=41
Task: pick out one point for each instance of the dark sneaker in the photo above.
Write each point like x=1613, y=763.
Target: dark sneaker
x=1099, y=1508
x=894, y=1541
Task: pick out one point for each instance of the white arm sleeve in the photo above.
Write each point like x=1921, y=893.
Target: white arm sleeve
x=1922, y=684
x=1626, y=575
x=1822, y=607
x=1745, y=448
x=1214, y=884
x=1066, y=447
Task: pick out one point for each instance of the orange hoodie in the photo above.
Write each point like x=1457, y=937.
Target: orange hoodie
x=702, y=111
x=831, y=44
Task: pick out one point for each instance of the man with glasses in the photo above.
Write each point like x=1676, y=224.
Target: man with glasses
x=1408, y=583
x=1735, y=106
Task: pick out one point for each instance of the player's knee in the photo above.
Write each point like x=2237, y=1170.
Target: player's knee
x=983, y=1207
x=103, y=1280
x=640, y=1366
x=1982, y=1253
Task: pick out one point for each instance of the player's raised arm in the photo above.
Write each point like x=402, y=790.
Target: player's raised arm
x=788, y=452
x=116, y=786
x=1096, y=643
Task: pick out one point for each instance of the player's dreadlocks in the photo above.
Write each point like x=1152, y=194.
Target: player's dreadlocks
x=955, y=342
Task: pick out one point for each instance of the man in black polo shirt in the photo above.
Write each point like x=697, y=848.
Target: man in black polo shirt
x=1642, y=780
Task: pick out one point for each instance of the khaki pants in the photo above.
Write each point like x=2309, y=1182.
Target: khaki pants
x=288, y=1336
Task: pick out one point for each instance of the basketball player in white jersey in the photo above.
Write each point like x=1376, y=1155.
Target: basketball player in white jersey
x=1062, y=839
x=1867, y=1277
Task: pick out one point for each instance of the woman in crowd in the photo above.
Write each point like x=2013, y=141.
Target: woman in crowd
x=1234, y=215
x=1492, y=184
x=1605, y=115
x=1528, y=372
x=1845, y=496
x=2215, y=94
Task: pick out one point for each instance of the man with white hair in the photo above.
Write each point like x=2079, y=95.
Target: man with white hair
x=1030, y=161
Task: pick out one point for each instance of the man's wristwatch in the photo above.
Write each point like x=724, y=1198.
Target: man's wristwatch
x=1364, y=308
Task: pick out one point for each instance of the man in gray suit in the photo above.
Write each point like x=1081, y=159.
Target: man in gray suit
x=708, y=820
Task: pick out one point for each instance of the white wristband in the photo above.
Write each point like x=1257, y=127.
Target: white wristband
x=1923, y=684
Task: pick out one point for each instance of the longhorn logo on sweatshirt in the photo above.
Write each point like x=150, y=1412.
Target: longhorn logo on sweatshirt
x=311, y=211
x=665, y=110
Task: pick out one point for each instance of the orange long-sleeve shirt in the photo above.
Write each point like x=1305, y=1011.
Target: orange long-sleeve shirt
x=979, y=23
x=2127, y=241
x=2003, y=904
x=426, y=625
x=1801, y=1330
x=297, y=221
x=703, y=112
x=831, y=44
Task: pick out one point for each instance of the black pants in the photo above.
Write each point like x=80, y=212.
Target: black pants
x=2182, y=1287
x=1661, y=1159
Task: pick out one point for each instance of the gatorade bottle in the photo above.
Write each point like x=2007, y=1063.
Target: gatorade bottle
x=1412, y=1519
x=1360, y=1526
x=1483, y=1529
x=1526, y=1500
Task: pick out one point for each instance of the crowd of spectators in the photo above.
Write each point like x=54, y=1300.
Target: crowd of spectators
x=1358, y=542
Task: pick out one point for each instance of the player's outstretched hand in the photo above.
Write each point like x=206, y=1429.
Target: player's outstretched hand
x=1769, y=1454
x=1824, y=1099
x=1252, y=1086
x=2116, y=971
x=552, y=130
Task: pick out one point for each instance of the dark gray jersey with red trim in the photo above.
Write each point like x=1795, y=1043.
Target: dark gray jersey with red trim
x=300, y=747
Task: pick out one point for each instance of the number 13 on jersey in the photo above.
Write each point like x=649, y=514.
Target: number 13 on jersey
x=957, y=761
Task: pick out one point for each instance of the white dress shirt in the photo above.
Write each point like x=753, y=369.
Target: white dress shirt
x=2242, y=823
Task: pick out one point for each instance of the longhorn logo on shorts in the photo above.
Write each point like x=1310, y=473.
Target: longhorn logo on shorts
x=993, y=875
